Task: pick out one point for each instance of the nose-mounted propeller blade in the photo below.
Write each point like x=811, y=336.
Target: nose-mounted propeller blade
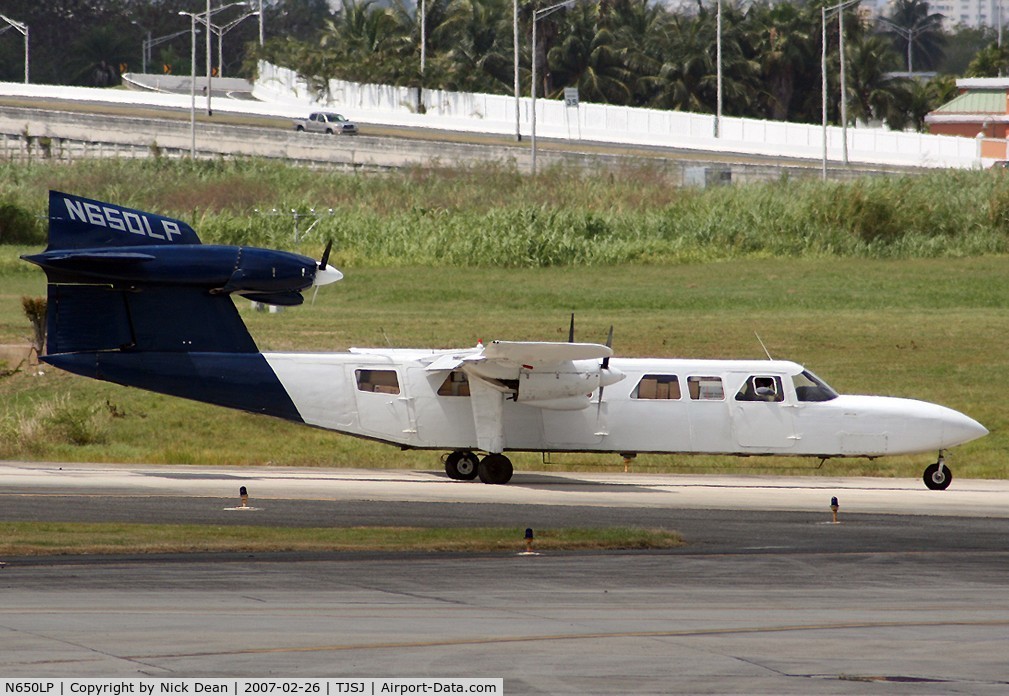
x=604, y=365
x=325, y=274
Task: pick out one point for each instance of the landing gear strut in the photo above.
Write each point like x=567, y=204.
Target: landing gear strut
x=461, y=465
x=937, y=476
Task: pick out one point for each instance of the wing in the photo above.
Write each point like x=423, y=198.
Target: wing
x=533, y=353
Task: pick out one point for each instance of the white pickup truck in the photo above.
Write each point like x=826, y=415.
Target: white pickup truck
x=326, y=122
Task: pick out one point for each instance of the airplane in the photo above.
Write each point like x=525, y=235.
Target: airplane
x=136, y=299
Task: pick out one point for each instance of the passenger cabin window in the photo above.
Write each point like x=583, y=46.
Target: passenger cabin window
x=378, y=381
x=809, y=387
x=657, y=387
x=761, y=388
x=705, y=388
x=455, y=384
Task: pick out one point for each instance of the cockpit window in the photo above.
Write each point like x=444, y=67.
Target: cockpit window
x=761, y=388
x=809, y=387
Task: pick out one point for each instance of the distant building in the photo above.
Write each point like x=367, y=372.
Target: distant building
x=982, y=107
x=981, y=112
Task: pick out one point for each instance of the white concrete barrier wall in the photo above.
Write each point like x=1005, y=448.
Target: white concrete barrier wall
x=617, y=124
x=283, y=93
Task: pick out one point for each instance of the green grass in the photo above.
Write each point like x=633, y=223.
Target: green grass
x=491, y=216
x=933, y=329
x=884, y=286
x=61, y=538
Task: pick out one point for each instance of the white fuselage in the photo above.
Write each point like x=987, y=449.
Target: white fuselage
x=413, y=398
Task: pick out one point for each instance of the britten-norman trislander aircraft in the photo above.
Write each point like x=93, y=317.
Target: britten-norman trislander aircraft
x=136, y=299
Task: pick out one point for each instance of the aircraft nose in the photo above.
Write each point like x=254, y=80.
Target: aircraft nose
x=958, y=428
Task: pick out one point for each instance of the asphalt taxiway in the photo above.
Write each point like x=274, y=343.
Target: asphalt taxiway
x=906, y=595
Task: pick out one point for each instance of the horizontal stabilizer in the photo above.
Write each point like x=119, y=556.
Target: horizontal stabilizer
x=89, y=258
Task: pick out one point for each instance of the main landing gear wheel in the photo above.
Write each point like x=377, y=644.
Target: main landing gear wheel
x=461, y=465
x=496, y=469
x=938, y=476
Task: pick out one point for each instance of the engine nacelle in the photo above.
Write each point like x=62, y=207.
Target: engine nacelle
x=567, y=387
x=545, y=386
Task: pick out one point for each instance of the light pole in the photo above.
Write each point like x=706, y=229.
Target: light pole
x=908, y=34
x=157, y=40
x=538, y=15
x=422, y=8
x=824, y=12
x=192, y=84
x=515, y=58
x=261, y=38
x=423, y=39
x=145, y=45
x=221, y=31
x=23, y=28
x=718, y=70
x=205, y=18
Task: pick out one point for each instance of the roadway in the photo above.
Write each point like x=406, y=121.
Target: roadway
x=768, y=595
x=379, y=146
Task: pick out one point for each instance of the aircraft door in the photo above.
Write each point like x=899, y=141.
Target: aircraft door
x=761, y=414
x=382, y=406
x=442, y=408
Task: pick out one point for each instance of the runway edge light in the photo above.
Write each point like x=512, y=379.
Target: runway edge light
x=243, y=492
x=833, y=508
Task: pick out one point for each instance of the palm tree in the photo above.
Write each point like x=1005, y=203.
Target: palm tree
x=642, y=32
x=916, y=33
x=990, y=61
x=474, y=45
x=873, y=92
x=785, y=42
x=686, y=79
x=590, y=57
x=367, y=43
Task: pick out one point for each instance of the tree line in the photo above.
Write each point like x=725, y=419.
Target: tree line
x=91, y=42
x=624, y=52
x=646, y=54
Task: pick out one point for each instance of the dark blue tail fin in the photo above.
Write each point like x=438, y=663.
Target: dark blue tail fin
x=82, y=223
x=92, y=309
x=134, y=298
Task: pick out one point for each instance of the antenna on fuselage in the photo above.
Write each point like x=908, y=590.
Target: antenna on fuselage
x=766, y=352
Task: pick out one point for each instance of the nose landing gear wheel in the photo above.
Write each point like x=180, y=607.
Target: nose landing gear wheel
x=496, y=469
x=461, y=465
x=937, y=476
